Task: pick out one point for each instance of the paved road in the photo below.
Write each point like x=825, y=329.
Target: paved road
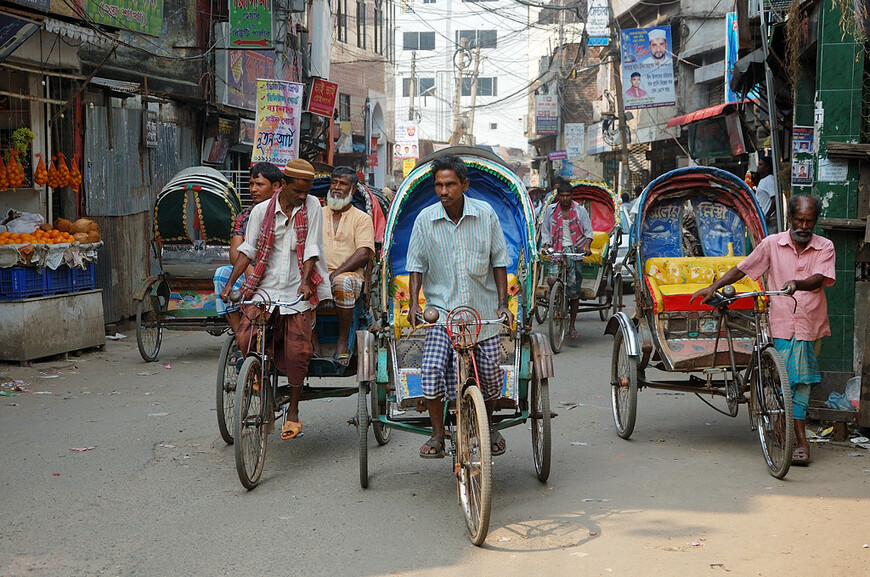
x=159, y=495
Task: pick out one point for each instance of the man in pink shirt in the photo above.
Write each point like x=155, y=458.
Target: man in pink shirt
x=802, y=263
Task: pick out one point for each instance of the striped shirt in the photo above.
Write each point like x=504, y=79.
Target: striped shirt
x=456, y=260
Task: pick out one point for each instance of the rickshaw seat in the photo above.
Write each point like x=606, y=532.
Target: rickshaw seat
x=599, y=246
x=673, y=280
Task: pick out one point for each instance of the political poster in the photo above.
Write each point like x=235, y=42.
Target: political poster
x=575, y=139
x=647, y=67
x=547, y=114
x=279, y=113
x=407, y=140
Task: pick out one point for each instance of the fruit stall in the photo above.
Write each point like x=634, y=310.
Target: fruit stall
x=47, y=270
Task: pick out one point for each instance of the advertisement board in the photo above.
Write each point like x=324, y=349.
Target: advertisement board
x=647, y=67
x=279, y=113
x=251, y=24
x=407, y=140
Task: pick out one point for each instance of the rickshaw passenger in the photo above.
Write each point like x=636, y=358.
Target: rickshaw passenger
x=264, y=181
x=284, y=240
x=795, y=260
x=349, y=242
x=458, y=254
x=568, y=229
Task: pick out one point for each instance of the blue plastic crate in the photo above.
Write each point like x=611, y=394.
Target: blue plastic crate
x=18, y=283
x=57, y=281
x=83, y=279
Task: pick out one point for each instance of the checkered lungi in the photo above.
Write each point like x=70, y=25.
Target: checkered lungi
x=573, y=276
x=221, y=276
x=802, y=366
x=439, y=365
x=346, y=288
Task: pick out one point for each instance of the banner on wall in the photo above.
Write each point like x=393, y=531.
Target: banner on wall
x=279, y=114
x=575, y=139
x=251, y=24
x=647, y=67
x=407, y=140
x=143, y=16
x=547, y=114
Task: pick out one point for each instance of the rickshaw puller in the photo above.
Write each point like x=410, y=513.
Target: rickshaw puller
x=349, y=241
x=285, y=241
x=458, y=255
x=795, y=260
x=265, y=181
x=566, y=227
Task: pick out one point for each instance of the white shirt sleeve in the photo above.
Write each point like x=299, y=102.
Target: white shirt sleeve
x=547, y=226
x=314, y=239
x=252, y=233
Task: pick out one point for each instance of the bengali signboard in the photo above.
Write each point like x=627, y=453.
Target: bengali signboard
x=144, y=16
x=647, y=67
x=547, y=114
x=244, y=67
x=322, y=99
x=597, y=20
x=251, y=24
x=575, y=139
x=279, y=113
x=407, y=140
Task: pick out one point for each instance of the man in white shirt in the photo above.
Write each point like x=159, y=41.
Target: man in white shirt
x=765, y=192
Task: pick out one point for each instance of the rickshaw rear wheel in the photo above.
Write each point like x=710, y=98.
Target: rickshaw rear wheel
x=605, y=301
x=623, y=388
x=250, y=423
x=149, y=332
x=474, y=465
x=541, y=310
x=362, y=427
x=381, y=431
x=558, y=316
x=617, y=294
x=539, y=408
x=225, y=397
x=774, y=413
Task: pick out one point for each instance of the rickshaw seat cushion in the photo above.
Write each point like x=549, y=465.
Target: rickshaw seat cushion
x=401, y=297
x=599, y=246
x=673, y=280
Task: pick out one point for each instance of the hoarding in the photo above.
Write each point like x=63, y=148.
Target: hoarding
x=407, y=140
x=279, y=114
x=647, y=67
x=144, y=16
x=251, y=24
x=547, y=114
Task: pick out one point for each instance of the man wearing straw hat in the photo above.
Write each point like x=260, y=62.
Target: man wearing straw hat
x=284, y=242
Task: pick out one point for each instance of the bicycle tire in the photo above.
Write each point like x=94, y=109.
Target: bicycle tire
x=623, y=388
x=774, y=412
x=250, y=423
x=149, y=331
x=225, y=393
x=539, y=407
x=474, y=464
x=558, y=313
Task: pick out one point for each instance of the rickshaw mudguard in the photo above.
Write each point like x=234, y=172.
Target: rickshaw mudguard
x=139, y=293
x=622, y=322
x=542, y=356
x=367, y=357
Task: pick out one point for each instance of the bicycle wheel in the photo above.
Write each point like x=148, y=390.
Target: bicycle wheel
x=541, y=309
x=558, y=316
x=773, y=412
x=539, y=407
x=623, y=388
x=149, y=332
x=474, y=464
x=617, y=295
x=362, y=428
x=606, y=301
x=381, y=431
x=250, y=423
x=225, y=397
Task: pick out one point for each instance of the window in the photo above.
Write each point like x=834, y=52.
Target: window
x=470, y=38
x=343, y=106
x=485, y=86
x=476, y=0
x=428, y=1
x=360, y=24
x=341, y=20
x=425, y=87
x=418, y=41
x=379, y=27
x=492, y=125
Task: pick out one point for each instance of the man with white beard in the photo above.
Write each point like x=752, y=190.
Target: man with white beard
x=349, y=243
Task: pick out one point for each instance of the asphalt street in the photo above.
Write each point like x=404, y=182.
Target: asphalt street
x=114, y=466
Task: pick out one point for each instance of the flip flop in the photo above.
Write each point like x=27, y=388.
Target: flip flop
x=800, y=457
x=496, y=439
x=291, y=429
x=435, y=442
x=342, y=359
x=573, y=335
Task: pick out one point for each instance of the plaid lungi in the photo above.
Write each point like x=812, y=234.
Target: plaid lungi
x=802, y=367
x=346, y=288
x=573, y=275
x=221, y=276
x=439, y=365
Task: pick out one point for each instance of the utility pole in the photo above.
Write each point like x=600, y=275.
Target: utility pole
x=413, y=90
x=459, y=61
x=774, y=127
x=624, y=173
x=469, y=136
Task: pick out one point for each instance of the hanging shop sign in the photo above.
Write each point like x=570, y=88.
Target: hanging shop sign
x=144, y=16
x=407, y=140
x=595, y=143
x=322, y=98
x=244, y=67
x=149, y=119
x=279, y=115
x=247, y=131
x=647, y=67
x=546, y=114
x=557, y=155
x=251, y=24
x=575, y=139
x=217, y=142
x=597, y=19
x=13, y=32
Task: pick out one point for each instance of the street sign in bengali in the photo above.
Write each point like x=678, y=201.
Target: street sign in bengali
x=279, y=114
x=547, y=114
x=145, y=16
x=322, y=98
x=251, y=24
x=557, y=155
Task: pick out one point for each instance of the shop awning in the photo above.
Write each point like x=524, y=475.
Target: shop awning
x=709, y=112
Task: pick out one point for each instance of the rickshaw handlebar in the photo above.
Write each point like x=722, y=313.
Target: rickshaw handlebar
x=236, y=299
x=727, y=295
x=422, y=324
x=554, y=253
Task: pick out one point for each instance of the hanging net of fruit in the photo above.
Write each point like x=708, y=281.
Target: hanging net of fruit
x=75, y=177
x=4, y=181
x=52, y=173
x=40, y=175
x=14, y=170
x=62, y=171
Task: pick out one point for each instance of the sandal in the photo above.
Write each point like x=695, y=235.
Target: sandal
x=435, y=442
x=342, y=359
x=800, y=457
x=498, y=442
x=573, y=335
x=290, y=430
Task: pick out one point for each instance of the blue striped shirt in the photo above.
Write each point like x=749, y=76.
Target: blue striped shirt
x=456, y=260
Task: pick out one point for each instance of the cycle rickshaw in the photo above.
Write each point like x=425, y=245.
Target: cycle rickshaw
x=390, y=357
x=193, y=221
x=601, y=286
x=694, y=224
